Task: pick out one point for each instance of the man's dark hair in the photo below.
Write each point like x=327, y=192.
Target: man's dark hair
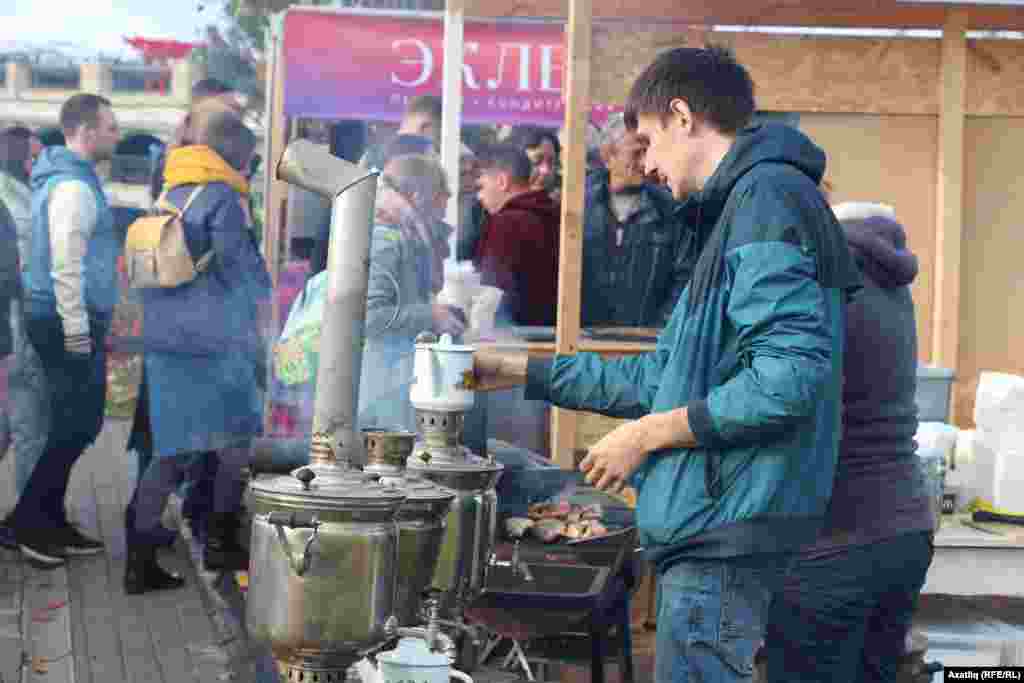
x=228, y=136
x=528, y=137
x=512, y=160
x=425, y=104
x=714, y=85
x=210, y=87
x=15, y=149
x=80, y=110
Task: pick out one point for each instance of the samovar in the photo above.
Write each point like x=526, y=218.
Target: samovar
x=441, y=394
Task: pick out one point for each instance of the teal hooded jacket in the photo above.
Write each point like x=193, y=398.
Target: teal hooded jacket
x=753, y=349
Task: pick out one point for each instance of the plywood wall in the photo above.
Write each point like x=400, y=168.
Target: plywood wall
x=823, y=74
x=888, y=159
x=792, y=73
x=992, y=293
x=995, y=77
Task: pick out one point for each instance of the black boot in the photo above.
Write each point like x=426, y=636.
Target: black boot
x=143, y=573
x=223, y=552
x=161, y=538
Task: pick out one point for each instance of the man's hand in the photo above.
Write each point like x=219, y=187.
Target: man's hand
x=448, y=320
x=499, y=370
x=612, y=461
x=78, y=346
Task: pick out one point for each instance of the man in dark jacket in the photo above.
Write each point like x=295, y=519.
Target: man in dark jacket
x=736, y=414
x=70, y=292
x=846, y=605
x=638, y=253
x=518, y=247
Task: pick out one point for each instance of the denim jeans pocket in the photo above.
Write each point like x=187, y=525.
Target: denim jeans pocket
x=740, y=620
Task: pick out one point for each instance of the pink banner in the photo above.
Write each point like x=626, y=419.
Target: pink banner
x=341, y=65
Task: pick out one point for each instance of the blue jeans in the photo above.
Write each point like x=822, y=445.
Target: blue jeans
x=710, y=618
x=842, y=615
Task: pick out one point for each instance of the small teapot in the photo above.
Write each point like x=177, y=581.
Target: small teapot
x=411, y=661
x=442, y=374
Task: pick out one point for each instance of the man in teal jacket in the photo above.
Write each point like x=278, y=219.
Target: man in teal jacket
x=736, y=414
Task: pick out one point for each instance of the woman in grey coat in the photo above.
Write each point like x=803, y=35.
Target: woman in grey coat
x=406, y=273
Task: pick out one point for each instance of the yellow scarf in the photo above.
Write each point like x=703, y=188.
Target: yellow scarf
x=196, y=164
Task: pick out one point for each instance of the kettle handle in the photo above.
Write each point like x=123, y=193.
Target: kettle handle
x=295, y=521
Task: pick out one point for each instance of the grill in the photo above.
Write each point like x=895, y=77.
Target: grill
x=536, y=590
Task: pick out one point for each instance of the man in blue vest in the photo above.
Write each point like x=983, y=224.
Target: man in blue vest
x=70, y=292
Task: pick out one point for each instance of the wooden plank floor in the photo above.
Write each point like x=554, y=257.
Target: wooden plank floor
x=102, y=635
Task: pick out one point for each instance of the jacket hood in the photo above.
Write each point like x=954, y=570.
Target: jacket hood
x=55, y=161
x=766, y=143
x=878, y=242
x=537, y=201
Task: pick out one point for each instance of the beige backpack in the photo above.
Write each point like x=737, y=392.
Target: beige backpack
x=156, y=253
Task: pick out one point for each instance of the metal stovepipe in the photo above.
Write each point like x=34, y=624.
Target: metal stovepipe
x=352, y=191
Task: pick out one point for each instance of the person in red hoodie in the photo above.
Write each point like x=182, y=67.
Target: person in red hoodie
x=518, y=247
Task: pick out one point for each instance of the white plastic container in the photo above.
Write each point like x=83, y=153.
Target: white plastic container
x=999, y=402
x=1009, y=470
x=983, y=483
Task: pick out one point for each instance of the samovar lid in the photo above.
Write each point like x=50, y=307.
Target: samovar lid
x=332, y=473
x=420, y=489
x=306, y=488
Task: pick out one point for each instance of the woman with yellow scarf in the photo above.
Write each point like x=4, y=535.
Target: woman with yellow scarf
x=203, y=350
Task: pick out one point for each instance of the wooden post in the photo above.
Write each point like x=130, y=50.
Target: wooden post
x=275, y=191
x=577, y=105
x=949, y=192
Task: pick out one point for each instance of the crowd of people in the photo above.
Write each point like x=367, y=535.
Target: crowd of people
x=770, y=435
x=199, y=403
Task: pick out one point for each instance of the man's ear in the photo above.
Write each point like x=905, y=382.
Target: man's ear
x=504, y=179
x=681, y=115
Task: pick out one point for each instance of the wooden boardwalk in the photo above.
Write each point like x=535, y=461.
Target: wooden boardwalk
x=76, y=625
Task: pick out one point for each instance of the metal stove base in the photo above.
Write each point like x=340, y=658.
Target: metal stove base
x=292, y=672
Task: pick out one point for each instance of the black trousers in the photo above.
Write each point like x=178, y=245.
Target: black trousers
x=76, y=389
x=843, y=616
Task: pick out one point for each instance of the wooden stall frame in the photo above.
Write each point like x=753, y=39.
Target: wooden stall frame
x=570, y=257
x=949, y=196
x=275, y=195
